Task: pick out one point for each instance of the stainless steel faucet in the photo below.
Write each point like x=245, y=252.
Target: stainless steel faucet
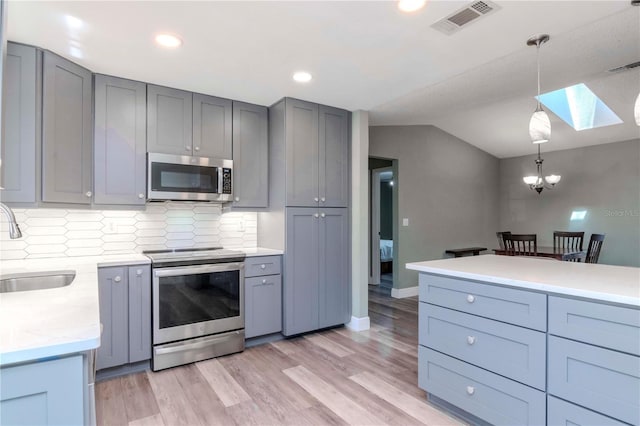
x=14, y=229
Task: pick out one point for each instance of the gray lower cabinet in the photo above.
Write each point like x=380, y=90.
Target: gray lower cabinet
x=67, y=160
x=212, y=127
x=316, y=281
x=262, y=296
x=486, y=350
x=317, y=154
x=169, y=120
x=250, y=155
x=20, y=121
x=43, y=393
x=120, y=141
x=125, y=314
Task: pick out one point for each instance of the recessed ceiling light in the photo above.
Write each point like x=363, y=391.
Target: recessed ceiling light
x=73, y=22
x=302, y=77
x=411, y=5
x=168, y=40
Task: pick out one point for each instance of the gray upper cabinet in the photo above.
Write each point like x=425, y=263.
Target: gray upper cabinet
x=212, y=121
x=317, y=290
x=301, y=136
x=250, y=155
x=169, y=120
x=66, y=132
x=120, y=141
x=317, y=155
x=334, y=157
x=20, y=122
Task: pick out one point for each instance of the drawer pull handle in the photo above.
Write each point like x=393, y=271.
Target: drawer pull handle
x=263, y=266
x=264, y=281
x=471, y=390
x=471, y=340
x=139, y=272
x=471, y=298
x=117, y=279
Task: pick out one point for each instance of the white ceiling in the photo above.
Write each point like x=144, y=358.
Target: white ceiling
x=477, y=84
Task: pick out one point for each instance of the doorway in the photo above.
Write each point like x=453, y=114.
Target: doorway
x=383, y=185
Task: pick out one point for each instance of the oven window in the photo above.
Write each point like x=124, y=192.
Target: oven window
x=189, y=299
x=183, y=178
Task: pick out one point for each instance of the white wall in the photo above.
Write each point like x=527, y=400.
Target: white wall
x=604, y=180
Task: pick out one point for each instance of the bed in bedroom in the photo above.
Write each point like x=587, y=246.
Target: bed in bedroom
x=386, y=256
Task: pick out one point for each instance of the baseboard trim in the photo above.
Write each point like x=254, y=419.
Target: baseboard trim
x=401, y=293
x=359, y=324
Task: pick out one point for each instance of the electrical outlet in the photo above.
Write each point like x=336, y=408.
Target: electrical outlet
x=405, y=221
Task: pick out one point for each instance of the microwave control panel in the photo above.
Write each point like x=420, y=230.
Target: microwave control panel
x=226, y=181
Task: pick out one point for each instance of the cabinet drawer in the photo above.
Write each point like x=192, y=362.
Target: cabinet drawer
x=518, y=307
x=493, y=398
x=515, y=352
x=601, y=379
x=263, y=305
x=563, y=413
x=609, y=326
x=263, y=265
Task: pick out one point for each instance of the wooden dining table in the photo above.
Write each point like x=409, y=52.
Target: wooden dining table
x=559, y=253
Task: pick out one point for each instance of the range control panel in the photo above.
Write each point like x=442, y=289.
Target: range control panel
x=226, y=181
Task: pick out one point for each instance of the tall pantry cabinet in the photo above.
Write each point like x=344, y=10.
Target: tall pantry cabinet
x=309, y=212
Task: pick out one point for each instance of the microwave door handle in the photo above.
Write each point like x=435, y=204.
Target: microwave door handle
x=191, y=270
x=220, y=183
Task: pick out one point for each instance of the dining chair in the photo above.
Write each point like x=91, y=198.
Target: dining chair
x=593, y=250
x=521, y=244
x=500, y=236
x=568, y=240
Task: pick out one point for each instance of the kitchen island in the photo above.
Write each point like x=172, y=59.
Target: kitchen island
x=515, y=340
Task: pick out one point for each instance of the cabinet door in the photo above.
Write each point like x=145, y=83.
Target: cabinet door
x=302, y=153
x=43, y=393
x=169, y=120
x=139, y=313
x=334, y=279
x=120, y=141
x=66, y=132
x=301, y=271
x=114, y=316
x=250, y=155
x=212, y=135
x=263, y=305
x=19, y=118
x=334, y=157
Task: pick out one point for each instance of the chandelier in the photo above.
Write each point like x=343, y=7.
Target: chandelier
x=540, y=129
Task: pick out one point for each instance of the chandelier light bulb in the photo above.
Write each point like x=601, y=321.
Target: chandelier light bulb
x=530, y=180
x=552, y=179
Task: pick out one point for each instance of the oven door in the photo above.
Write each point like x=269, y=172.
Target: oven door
x=193, y=301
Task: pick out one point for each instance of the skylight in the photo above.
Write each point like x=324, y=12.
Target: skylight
x=579, y=107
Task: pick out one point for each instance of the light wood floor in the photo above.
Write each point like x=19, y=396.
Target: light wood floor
x=333, y=377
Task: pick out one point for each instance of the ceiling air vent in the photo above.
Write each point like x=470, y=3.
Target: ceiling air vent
x=626, y=67
x=454, y=22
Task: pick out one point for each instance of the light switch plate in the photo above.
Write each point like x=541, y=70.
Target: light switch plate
x=405, y=221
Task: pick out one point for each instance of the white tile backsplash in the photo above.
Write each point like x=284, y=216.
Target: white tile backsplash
x=67, y=232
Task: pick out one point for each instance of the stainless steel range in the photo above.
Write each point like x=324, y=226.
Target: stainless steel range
x=198, y=304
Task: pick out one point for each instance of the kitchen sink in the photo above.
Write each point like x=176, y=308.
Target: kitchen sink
x=28, y=281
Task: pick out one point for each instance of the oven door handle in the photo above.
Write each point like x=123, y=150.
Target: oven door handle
x=201, y=343
x=199, y=269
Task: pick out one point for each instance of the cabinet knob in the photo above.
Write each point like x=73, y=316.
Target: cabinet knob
x=264, y=281
x=237, y=199
x=263, y=266
x=471, y=340
x=88, y=193
x=471, y=298
x=139, y=272
x=141, y=196
x=197, y=148
x=316, y=215
x=323, y=199
x=471, y=390
x=117, y=279
x=187, y=148
x=315, y=199
x=322, y=215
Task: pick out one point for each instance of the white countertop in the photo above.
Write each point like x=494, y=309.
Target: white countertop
x=44, y=323
x=618, y=284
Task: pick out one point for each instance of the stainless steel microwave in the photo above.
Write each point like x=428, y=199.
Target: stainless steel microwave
x=180, y=177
